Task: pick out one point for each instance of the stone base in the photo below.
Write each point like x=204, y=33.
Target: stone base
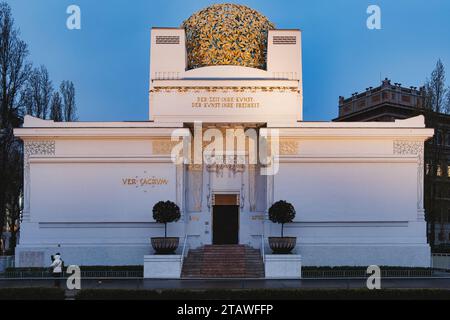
x=398, y=255
x=162, y=266
x=83, y=255
x=283, y=266
x=406, y=255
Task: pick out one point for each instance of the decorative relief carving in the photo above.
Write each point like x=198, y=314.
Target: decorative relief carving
x=194, y=187
x=163, y=146
x=170, y=89
x=235, y=164
x=408, y=147
x=33, y=147
x=180, y=189
x=288, y=147
x=252, y=187
x=195, y=167
x=270, y=193
x=39, y=148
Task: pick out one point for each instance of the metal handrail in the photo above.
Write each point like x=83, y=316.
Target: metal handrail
x=329, y=274
x=183, y=252
x=87, y=274
x=262, y=249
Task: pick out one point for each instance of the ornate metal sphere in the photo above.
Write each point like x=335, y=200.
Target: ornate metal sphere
x=227, y=34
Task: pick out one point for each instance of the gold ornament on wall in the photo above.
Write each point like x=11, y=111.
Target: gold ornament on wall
x=227, y=34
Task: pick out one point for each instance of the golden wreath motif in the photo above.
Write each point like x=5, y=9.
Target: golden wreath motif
x=227, y=34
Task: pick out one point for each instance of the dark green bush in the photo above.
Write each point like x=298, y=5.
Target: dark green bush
x=282, y=212
x=166, y=212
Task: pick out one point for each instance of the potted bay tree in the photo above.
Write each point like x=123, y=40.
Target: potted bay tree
x=165, y=212
x=282, y=212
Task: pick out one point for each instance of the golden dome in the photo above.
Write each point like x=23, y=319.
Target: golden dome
x=227, y=34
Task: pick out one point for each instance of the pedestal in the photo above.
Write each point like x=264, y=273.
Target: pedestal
x=283, y=266
x=162, y=267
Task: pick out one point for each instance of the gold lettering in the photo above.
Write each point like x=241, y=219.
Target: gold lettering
x=145, y=181
x=225, y=102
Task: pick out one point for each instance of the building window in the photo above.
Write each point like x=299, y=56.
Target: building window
x=438, y=137
x=439, y=171
x=406, y=99
x=444, y=171
x=447, y=139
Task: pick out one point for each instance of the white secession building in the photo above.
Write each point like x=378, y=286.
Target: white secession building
x=357, y=187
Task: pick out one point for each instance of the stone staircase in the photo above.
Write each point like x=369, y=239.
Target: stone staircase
x=223, y=261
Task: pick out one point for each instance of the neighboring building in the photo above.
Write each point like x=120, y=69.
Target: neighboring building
x=390, y=102
x=387, y=102
x=357, y=187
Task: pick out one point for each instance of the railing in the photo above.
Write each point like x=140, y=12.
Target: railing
x=185, y=250
x=262, y=249
x=405, y=273
x=128, y=274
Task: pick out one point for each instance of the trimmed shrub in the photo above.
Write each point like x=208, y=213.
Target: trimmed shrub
x=166, y=212
x=282, y=212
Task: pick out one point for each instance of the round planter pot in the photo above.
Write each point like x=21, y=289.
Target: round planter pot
x=281, y=245
x=165, y=245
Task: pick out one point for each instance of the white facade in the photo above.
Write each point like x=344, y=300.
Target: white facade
x=357, y=187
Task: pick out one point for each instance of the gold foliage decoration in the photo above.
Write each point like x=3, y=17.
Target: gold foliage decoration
x=227, y=34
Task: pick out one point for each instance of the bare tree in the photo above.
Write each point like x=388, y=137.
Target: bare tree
x=14, y=193
x=435, y=103
x=22, y=89
x=447, y=102
x=436, y=90
x=14, y=72
x=56, y=111
x=67, y=90
x=38, y=93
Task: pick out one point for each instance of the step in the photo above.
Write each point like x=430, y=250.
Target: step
x=223, y=261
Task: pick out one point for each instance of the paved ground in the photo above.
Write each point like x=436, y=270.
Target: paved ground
x=436, y=282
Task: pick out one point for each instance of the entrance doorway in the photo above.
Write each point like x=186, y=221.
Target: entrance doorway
x=225, y=220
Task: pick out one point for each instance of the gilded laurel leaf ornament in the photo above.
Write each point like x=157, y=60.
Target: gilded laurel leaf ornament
x=227, y=34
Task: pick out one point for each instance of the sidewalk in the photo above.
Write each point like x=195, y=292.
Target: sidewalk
x=411, y=283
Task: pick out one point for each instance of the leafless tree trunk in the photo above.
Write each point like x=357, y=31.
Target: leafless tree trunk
x=38, y=93
x=67, y=90
x=56, y=112
x=22, y=89
x=15, y=193
x=14, y=72
x=435, y=103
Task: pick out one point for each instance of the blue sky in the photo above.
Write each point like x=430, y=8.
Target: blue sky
x=108, y=59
